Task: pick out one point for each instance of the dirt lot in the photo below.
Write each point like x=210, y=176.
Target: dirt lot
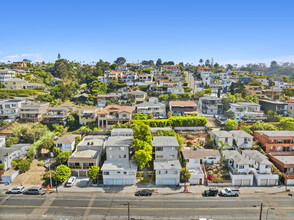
x=33, y=177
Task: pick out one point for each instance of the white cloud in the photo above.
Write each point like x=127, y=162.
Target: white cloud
x=267, y=61
x=19, y=57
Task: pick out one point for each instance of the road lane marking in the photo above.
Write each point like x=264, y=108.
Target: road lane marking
x=87, y=211
x=138, y=208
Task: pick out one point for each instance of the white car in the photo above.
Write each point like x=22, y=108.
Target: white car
x=70, y=182
x=16, y=190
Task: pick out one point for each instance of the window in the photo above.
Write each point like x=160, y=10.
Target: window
x=110, y=156
x=159, y=156
x=122, y=148
x=125, y=172
x=174, y=148
x=106, y=173
x=171, y=156
x=159, y=149
x=176, y=172
x=159, y=172
x=125, y=156
x=118, y=172
x=165, y=172
x=278, y=148
x=279, y=141
x=226, y=140
x=241, y=167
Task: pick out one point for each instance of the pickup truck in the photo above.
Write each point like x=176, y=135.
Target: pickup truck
x=210, y=192
x=229, y=192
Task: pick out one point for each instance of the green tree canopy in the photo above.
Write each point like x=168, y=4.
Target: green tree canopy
x=62, y=173
x=231, y=125
x=63, y=157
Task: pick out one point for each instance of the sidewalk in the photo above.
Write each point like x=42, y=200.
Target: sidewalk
x=170, y=190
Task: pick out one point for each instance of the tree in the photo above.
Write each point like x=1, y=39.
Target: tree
x=63, y=157
x=120, y=61
x=201, y=61
x=94, y=173
x=158, y=62
x=142, y=132
x=47, y=144
x=231, y=125
x=24, y=165
x=287, y=123
x=169, y=114
x=11, y=141
x=173, y=96
x=207, y=62
x=56, y=151
x=2, y=166
x=149, y=116
x=58, y=56
x=62, y=173
x=208, y=91
x=143, y=157
x=222, y=146
x=185, y=175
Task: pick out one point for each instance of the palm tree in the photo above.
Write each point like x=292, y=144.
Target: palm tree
x=221, y=147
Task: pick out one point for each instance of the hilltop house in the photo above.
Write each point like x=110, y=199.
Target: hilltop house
x=247, y=111
x=113, y=114
x=279, y=107
x=87, y=114
x=66, y=142
x=10, y=109
x=156, y=109
x=210, y=105
x=182, y=107
x=6, y=75
x=243, y=140
x=33, y=111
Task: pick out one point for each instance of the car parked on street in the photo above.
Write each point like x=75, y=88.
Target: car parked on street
x=210, y=192
x=16, y=190
x=70, y=182
x=144, y=192
x=35, y=190
x=229, y=192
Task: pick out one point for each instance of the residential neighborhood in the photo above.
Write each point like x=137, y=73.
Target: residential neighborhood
x=105, y=113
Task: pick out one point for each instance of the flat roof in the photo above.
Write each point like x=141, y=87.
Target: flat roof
x=167, y=165
x=165, y=141
x=119, y=141
x=277, y=133
x=120, y=166
x=199, y=153
x=285, y=159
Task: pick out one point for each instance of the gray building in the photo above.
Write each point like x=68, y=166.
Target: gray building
x=210, y=105
x=279, y=107
x=14, y=152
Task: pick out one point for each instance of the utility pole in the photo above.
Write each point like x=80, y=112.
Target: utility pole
x=50, y=174
x=260, y=212
x=128, y=211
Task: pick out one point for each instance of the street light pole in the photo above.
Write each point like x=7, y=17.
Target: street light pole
x=50, y=174
x=260, y=212
x=128, y=211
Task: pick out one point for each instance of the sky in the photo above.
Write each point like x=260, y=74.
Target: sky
x=229, y=31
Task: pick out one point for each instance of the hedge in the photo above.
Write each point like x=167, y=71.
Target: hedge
x=175, y=121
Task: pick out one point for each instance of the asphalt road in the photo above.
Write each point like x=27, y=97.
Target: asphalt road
x=114, y=206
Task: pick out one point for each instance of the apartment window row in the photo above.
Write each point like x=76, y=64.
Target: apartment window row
x=167, y=172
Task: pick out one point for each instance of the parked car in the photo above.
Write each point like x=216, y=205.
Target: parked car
x=16, y=190
x=210, y=192
x=144, y=192
x=230, y=192
x=70, y=182
x=35, y=190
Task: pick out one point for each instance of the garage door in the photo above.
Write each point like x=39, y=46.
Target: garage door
x=263, y=182
x=168, y=182
x=246, y=183
x=272, y=182
x=119, y=182
x=129, y=182
x=238, y=182
x=109, y=182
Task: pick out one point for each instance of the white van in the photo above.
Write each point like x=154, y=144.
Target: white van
x=70, y=181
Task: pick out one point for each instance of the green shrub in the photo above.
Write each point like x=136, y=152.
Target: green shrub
x=145, y=179
x=2, y=166
x=40, y=163
x=138, y=174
